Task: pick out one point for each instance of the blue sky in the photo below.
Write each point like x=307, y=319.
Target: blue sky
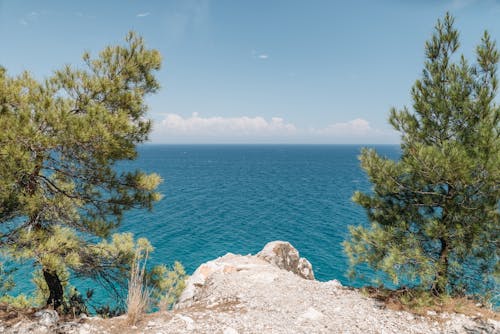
x=254, y=71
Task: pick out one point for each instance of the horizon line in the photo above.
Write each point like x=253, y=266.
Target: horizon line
x=269, y=144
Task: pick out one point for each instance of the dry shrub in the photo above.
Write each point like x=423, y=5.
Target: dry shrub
x=139, y=296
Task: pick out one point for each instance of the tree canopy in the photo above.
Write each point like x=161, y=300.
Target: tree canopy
x=61, y=193
x=434, y=213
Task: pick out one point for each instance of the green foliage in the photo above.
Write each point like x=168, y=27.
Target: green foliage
x=61, y=194
x=107, y=311
x=77, y=303
x=6, y=280
x=167, y=284
x=18, y=302
x=110, y=265
x=435, y=212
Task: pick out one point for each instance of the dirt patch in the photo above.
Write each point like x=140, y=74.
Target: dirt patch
x=10, y=315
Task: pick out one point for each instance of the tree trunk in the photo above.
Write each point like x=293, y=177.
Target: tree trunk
x=441, y=280
x=51, y=279
x=55, y=288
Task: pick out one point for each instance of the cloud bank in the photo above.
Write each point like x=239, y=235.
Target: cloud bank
x=174, y=128
x=216, y=126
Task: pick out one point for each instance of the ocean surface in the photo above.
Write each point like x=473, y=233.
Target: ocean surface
x=236, y=198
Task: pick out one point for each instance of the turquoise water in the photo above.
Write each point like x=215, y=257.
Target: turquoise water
x=236, y=198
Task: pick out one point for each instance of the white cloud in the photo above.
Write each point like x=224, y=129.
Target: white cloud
x=198, y=129
x=143, y=14
x=356, y=131
x=357, y=127
x=225, y=126
x=259, y=55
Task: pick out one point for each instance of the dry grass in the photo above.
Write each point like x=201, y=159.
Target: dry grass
x=139, y=297
x=421, y=303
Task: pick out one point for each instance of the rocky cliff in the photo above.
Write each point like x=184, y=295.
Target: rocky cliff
x=271, y=292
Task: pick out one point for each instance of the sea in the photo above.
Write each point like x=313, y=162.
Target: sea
x=236, y=198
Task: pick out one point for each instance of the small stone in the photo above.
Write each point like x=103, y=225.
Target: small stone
x=230, y=330
x=312, y=314
x=47, y=317
x=84, y=331
x=151, y=323
x=189, y=322
x=334, y=283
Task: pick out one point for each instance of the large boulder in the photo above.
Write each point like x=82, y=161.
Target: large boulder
x=280, y=254
x=227, y=264
x=283, y=255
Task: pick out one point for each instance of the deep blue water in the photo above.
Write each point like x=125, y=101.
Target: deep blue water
x=236, y=198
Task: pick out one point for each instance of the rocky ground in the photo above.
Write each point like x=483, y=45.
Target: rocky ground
x=271, y=292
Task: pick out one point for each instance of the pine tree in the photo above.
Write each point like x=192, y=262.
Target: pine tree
x=61, y=193
x=434, y=213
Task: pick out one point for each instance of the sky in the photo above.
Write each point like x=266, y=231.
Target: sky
x=260, y=71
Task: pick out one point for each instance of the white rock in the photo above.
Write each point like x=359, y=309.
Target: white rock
x=230, y=330
x=263, y=277
x=84, y=330
x=189, y=322
x=334, y=283
x=47, y=317
x=304, y=269
x=151, y=323
x=283, y=255
x=312, y=314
